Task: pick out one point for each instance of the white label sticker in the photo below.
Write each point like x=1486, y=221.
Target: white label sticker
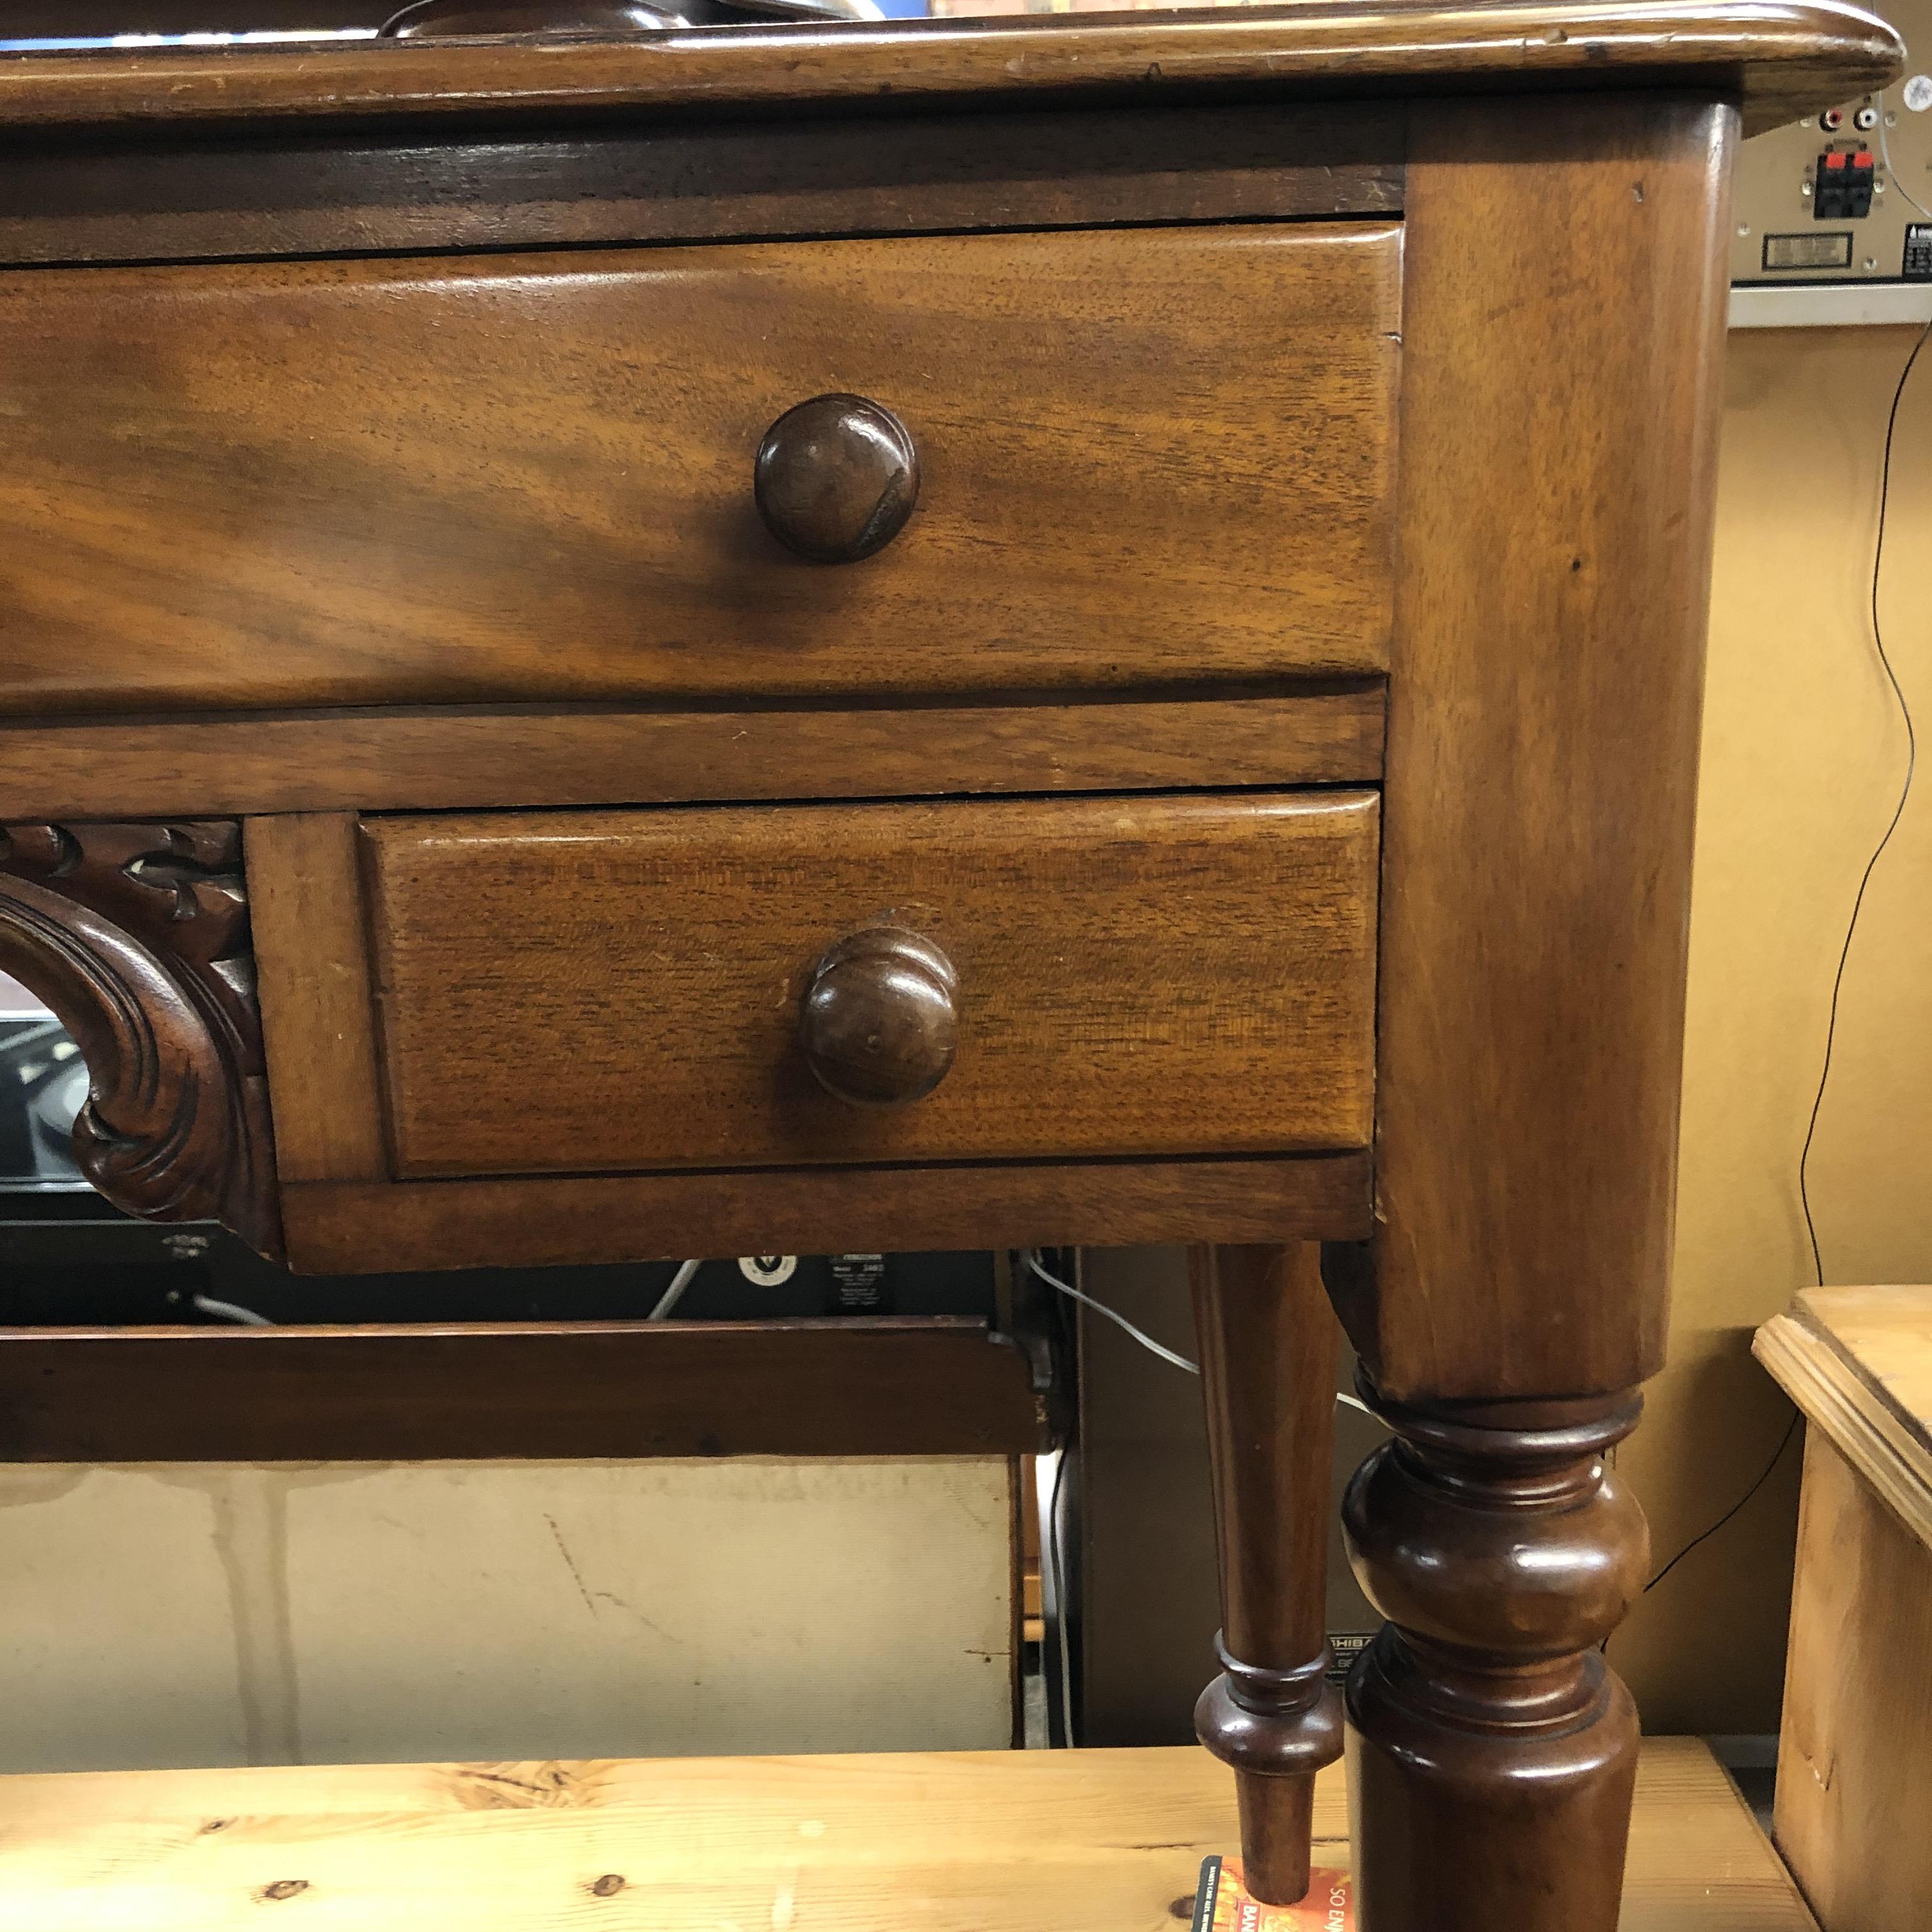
x=768, y=1270
x=1919, y=92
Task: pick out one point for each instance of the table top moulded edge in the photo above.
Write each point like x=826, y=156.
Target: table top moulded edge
x=1855, y=1361
x=1778, y=58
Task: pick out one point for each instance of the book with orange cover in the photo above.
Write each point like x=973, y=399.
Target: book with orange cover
x=1222, y=1903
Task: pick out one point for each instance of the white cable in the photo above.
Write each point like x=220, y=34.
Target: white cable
x=230, y=1311
x=1056, y=1581
x=1885, y=154
x=1066, y=1621
x=1050, y=1525
x=1033, y=1262
x=674, y=1294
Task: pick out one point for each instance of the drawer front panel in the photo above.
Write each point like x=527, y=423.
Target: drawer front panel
x=622, y=991
x=1143, y=457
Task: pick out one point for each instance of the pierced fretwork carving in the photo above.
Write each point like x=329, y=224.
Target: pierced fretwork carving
x=136, y=935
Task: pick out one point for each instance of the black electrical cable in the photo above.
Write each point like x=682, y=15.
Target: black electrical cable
x=1898, y=812
x=1851, y=929
x=1778, y=1457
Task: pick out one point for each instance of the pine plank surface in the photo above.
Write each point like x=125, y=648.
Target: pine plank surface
x=1085, y=1841
x=1857, y=1752
x=1855, y=1760
x=1886, y=1333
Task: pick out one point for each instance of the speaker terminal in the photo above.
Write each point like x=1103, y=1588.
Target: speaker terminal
x=1843, y=182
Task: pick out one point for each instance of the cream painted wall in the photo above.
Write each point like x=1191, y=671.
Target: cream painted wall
x=1803, y=756
x=208, y=1615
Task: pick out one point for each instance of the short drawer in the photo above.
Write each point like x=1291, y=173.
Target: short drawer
x=1142, y=457
x=641, y=991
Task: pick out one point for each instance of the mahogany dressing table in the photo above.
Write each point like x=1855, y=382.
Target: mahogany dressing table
x=1000, y=633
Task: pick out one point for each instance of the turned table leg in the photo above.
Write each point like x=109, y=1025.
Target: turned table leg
x=1545, y=669
x=1491, y=1751
x=1268, y=1341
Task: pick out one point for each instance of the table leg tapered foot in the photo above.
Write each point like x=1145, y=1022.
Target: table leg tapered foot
x=1268, y=1342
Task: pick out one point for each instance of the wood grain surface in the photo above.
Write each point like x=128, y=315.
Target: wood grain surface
x=1854, y=1754
x=529, y=479
x=212, y=198
x=343, y=1227
x=404, y=759
x=1859, y=1362
x=1780, y=58
x=861, y=1387
x=1031, y=1841
x=578, y=992
x=312, y=980
x=1545, y=704
x=1885, y=1334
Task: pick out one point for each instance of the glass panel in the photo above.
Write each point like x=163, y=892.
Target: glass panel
x=43, y=1082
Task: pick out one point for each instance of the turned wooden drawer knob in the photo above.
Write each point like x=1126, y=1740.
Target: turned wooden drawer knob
x=836, y=477
x=878, y=1024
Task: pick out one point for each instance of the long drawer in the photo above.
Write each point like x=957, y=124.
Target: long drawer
x=997, y=979
x=1140, y=457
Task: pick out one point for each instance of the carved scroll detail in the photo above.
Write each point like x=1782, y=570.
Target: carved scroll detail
x=137, y=937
